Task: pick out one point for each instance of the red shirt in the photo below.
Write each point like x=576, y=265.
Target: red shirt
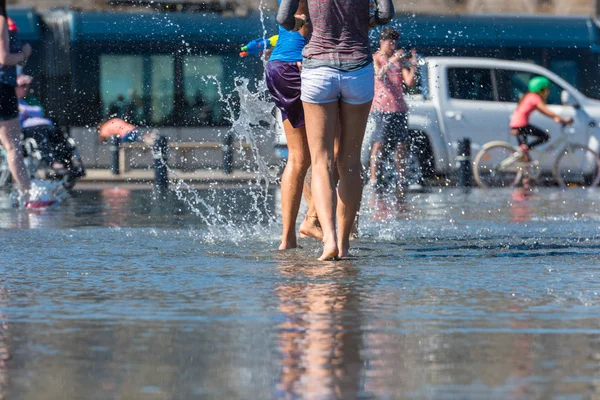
x=520, y=117
x=389, y=91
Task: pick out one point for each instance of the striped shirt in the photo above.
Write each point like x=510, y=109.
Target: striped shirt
x=340, y=36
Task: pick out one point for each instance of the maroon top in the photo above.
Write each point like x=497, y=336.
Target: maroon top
x=340, y=37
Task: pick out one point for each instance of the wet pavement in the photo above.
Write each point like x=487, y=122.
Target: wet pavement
x=120, y=294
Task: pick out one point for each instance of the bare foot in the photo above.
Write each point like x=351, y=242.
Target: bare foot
x=345, y=251
x=330, y=253
x=310, y=227
x=287, y=245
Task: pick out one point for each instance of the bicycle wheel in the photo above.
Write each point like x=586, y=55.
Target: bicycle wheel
x=577, y=166
x=496, y=166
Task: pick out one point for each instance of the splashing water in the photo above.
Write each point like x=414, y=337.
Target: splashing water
x=255, y=126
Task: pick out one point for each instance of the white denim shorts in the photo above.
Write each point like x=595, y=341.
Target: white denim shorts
x=325, y=85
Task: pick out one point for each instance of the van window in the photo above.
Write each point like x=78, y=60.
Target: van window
x=471, y=84
x=513, y=86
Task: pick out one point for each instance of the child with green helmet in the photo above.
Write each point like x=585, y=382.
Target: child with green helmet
x=539, y=89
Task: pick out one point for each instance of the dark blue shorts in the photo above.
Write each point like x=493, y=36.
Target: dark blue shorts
x=391, y=128
x=284, y=83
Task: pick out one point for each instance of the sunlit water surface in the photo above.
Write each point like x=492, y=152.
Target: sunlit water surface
x=451, y=295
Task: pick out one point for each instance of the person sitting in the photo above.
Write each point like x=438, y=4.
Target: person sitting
x=126, y=132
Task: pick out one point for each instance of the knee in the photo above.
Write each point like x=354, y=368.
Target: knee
x=299, y=162
x=546, y=137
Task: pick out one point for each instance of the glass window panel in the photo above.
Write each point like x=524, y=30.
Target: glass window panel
x=471, y=84
x=120, y=77
x=201, y=76
x=139, y=89
x=163, y=88
x=517, y=86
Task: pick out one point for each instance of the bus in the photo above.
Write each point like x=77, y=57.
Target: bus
x=173, y=70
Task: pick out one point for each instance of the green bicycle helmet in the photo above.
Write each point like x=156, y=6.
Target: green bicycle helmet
x=538, y=83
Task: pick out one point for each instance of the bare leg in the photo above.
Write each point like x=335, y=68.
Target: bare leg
x=310, y=226
x=10, y=139
x=401, y=161
x=374, y=160
x=354, y=123
x=292, y=182
x=320, y=128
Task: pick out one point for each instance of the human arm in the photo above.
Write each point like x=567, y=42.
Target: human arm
x=6, y=57
x=382, y=67
x=409, y=72
x=541, y=107
x=384, y=12
x=286, y=15
x=302, y=13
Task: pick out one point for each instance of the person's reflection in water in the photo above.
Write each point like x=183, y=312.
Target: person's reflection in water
x=5, y=346
x=320, y=338
x=388, y=207
x=117, y=205
x=520, y=205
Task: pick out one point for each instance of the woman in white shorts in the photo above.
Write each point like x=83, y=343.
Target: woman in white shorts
x=337, y=82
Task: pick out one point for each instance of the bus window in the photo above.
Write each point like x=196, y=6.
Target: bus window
x=139, y=89
x=121, y=78
x=566, y=69
x=202, y=76
x=162, y=88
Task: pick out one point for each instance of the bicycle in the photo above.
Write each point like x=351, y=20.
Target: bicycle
x=500, y=164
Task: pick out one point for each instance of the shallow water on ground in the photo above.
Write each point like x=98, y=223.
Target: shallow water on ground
x=449, y=295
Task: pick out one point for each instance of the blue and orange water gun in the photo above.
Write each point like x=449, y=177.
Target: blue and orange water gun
x=257, y=46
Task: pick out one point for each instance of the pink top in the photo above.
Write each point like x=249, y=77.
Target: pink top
x=520, y=117
x=389, y=91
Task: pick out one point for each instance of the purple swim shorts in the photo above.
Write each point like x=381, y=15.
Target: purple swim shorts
x=284, y=83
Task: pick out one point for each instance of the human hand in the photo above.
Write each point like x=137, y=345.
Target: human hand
x=397, y=55
x=413, y=57
x=306, y=27
x=26, y=50
x=300, y=21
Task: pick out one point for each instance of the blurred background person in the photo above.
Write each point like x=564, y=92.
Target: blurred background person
x=12, y=52
x=391, y=138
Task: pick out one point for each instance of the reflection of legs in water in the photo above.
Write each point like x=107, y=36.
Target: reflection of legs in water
x=320, y=354
x=5, y=355
x=292, y=182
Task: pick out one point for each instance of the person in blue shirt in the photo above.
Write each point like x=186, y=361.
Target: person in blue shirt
x=283, y=80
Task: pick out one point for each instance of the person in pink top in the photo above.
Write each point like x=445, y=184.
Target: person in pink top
x=393, y=71
x=539, y=89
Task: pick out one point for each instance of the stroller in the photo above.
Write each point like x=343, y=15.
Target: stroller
x=48, y=159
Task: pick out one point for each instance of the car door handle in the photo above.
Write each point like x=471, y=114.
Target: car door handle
x=454, y=115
